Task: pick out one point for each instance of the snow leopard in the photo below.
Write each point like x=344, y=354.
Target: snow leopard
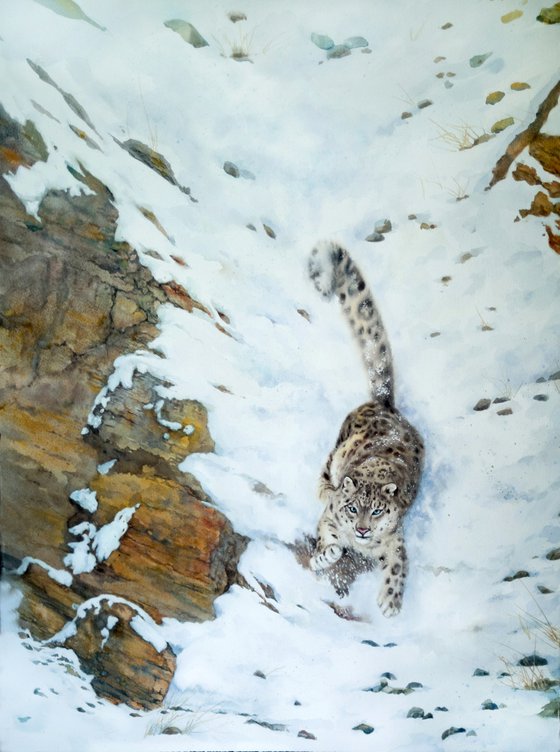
x=372, y=475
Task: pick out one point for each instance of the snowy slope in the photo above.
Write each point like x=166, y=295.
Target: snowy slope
x=328, y=155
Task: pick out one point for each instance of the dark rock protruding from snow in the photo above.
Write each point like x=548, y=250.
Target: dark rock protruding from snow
x=74, y=299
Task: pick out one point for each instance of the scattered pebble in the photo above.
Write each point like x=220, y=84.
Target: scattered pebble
x=377, y=687
x=448, y=84
x=231, y=169
x=251, y=227
x=446, y=26
x=541, y=397
x=269, y=231
x=550, y=15
x=187, y=31
x=414, y=685
x=501, y=125
x=500, y=400
x=80, y=710
x=427, y=226
x=442, y=709
x=435, y=334
x=544, y=590
x=481, y=672
x=423, y=103
x=406, y=115
x=517, y=576
x=415, y=712
x=551, y=709
x=505, y=411
x=322, y=41
x=266, y=724
x=477, y=60
x=439, y=58
x=511, y=16
x=532, y=660
x=371, y=643
x=366, y=51
x=553, y=555
x=24, y=718
x=383, y=226
x=366, y=728
x=453, y=730
x=482, y=404
x=390, y=645
x=375, y=237
x=235, y=17
x=519, y=86
x=171, y=730
x=494, y=97
x=339, y=50
x=354, y=42
x=259, y=674
x=306, y=735
x=489, y=705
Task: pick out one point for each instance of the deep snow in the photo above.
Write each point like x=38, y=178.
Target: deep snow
x=330, y=156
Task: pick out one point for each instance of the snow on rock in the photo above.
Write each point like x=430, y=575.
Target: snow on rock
x=85, y=498
x=107, y=538
x=58, y=575
x=81, y=558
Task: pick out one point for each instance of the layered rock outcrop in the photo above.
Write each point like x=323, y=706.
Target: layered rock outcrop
x=72, y=299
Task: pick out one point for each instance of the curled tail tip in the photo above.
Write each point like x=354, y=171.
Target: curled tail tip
x=324, y=258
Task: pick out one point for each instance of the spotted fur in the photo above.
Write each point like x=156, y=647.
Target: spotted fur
x=371, y=476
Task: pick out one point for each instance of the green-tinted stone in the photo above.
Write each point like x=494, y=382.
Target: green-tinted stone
x=322, y=41
x=550, y=15
x=494, y=97
x=501, y=125
x=187, y=31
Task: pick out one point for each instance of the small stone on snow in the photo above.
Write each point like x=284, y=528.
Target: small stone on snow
x=322, y=41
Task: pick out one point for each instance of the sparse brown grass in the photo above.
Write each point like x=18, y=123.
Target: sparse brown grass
x=462, y=136
x=538, y=629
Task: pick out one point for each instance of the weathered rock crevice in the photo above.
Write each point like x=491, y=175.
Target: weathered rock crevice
x=72, y=299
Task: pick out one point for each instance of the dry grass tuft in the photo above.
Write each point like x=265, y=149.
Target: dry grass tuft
x=462, y=136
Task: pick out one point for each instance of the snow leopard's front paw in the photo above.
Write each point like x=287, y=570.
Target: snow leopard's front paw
x=326, y=558
x=389, y=603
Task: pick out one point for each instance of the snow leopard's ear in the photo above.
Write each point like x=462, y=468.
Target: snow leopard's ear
x=348, y=485
x=389, y=489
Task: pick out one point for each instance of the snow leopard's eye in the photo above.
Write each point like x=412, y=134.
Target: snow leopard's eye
x=352, y=509
x=376, y=512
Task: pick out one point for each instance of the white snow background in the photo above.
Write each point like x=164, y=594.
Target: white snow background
x=330, y=155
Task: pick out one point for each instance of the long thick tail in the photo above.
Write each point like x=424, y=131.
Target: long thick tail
x=333, y=272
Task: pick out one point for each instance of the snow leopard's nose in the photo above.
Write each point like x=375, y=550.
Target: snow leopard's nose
x=362, y=531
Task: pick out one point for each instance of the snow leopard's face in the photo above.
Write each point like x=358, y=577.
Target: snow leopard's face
x=369, y=510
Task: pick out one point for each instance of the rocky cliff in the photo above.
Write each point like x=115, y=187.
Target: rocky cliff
x=72, y=299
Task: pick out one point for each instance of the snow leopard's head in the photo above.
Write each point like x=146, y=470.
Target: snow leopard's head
x=369, y=509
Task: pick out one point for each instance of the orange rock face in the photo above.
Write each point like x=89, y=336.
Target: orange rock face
x=72, y=299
